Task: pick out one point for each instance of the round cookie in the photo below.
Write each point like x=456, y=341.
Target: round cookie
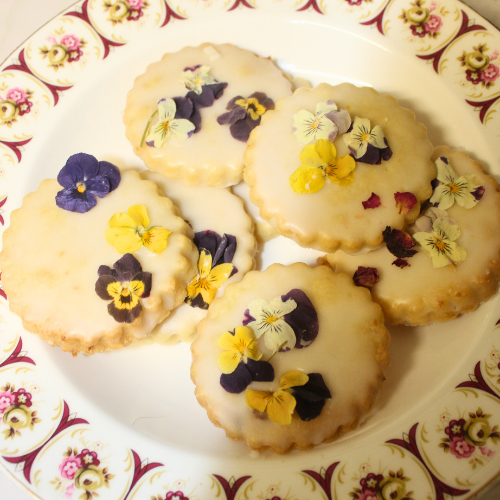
x=308, y=191
x=340, y=344
x=51, y=258
x=207, y=79
x=219, y=212
x=417, y=293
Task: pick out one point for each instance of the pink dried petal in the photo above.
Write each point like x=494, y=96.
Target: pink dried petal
x=405, y=202
x=399, y=243
x=372, y=202
x=366, y=276
x=401, y=263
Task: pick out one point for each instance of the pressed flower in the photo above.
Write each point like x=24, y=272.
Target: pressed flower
x=451, y=187
x=405, y=201
x=311, y=397
x=401, y=263
x=124, y=286
x=366, y=276
x=372, y=202
x=83, y=178
x=327, y=122
x=399, y=243
x=440, y=243
x=129, y=232
x=245, y=114
x=237, y=346
x=268, y=319
x=167, y=125
x=318, y=163
x=245, y=373
x=367, y=144
x=197, y=76
x=205, y=284
x=280, y=404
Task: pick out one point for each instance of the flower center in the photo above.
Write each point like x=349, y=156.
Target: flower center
x=81, y=188
x=480, y=434
x=454, y=189
x=315, y=125
x=441, y=245
x=365, y=136
x=125, y=291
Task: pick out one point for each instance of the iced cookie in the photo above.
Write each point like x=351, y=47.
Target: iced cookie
x=448, y=261
x=95, y=259
x=189, y=116
x=290, y=357
x=331, y=167
x=226, y=244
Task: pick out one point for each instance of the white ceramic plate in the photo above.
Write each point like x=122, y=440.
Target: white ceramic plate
x=134, y=409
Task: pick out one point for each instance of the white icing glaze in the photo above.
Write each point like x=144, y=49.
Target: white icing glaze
x=334, y=216
x=421, y=294
x=51, y=257
x=205, y=208
x=349, y=352
x=211, y=156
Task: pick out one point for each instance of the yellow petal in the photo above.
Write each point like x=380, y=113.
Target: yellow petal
x=156, y=239
x=228, y=361
x=207, y=294
x=193, y=289
x=228, y=341
x=258, y=400
x=136, y=287
x=204, y=263
x=123, y=239
x=114, y=289
x=219, y=274
x=122, y=220
x=309, y=156
x=293, y=379
x=307, y=179
x=281, y=407
x=139, y=215
x=325, y=150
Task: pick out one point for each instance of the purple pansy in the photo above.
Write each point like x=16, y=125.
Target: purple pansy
x=124, y=286
x=83, y=178
x=311, y=397
x=245, y=114
x=246, y=373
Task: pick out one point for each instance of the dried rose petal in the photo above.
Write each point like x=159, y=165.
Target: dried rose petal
x=372, y=202
x=399, y=243
x=366, y=276
x=405, y=202
x=401, y=263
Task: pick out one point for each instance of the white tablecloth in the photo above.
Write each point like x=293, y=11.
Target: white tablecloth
x=20, y=18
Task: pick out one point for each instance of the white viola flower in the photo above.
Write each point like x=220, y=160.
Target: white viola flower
x=195, y=78
x=426, y=219
x=361, y=135
x=465, y=190
x=167, y=126
x=326, y=123
x=440, y=243
x=269, y=321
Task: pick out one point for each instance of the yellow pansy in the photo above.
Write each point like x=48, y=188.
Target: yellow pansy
x=280, y=404
x=319, y=161
x=129, y=232
x=252, y=106
x=208, y=279
x=237, y=347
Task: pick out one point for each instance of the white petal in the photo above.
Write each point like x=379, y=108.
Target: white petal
x=322, y=108
x=180, y=128
x=341, y=118
x=457, y=254
x=447, y=228
x=166, y=109
x=257, y=310
x=445, y=173
x=279, y=308
x=302, y=123
x=275, y=339
x=442, y=197
x=377, y=137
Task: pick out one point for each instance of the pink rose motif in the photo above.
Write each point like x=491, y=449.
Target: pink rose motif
x=473, y=76
x=354, y=2
x=71, y=41
x=69, y=490
x=88, y=458
x=486, y=451
x=177, y=495
x=6, y=399
x=460, y=448
x=16, y=94
x=135, y=4
x=370, y=482
x=69, y=466
x=419, y=30
x=494, y=55
x=24, y=107
x=368, y=495
x=433, y=24
x=135, y=15
x=432, y=6
x=23, y=398
x=490, y=74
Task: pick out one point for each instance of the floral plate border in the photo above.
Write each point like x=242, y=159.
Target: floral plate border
x=50, y=448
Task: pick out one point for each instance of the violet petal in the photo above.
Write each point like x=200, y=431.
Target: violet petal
x=303, y=319
x=308, y=410
x=314, y=390
x=146, y=279
x=80, y=166
x=260, y=371
x=240, y=130
x=247, y=317
x=232, y=103
x=111, y=172
x=183, y=108
x=372, y=156
x=127, y=267
x=237, y=113
x=238, y=381
x=478, y=193
x=74, y=201
x=101, y=286
x=386, y=153
x=197, y=302
x=106, y=270
x=124, y=315
x=98, y=186
x=209, y=240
